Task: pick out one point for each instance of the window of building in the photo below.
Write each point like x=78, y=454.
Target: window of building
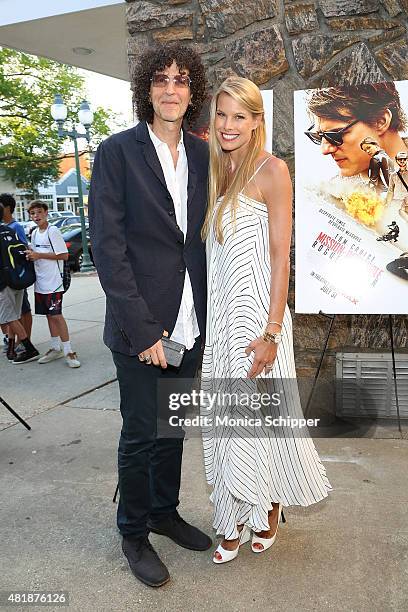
x=67, y=203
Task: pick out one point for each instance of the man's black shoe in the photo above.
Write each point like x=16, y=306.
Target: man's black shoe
x=144, y=561
x=27, y=355
x=183, y=534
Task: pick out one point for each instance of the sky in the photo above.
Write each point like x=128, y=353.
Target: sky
x=109, y=92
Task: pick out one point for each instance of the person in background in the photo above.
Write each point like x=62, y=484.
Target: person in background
x=46, y=250
x=10, y=313
x=9, y=204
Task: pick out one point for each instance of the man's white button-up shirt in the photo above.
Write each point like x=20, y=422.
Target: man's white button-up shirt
x=186, y=328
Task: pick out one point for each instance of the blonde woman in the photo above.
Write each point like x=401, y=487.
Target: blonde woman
x=249, y=329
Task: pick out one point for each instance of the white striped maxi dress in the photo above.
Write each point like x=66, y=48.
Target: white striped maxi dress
x=249, y=472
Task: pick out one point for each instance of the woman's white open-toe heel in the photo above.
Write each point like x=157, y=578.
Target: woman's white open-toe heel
x=258, y=544
x=223, y=556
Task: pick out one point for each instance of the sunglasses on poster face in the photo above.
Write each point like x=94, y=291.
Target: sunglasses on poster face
x=334, y=137
x=160, y=79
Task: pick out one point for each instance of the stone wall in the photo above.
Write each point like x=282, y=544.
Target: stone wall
x=286, y=45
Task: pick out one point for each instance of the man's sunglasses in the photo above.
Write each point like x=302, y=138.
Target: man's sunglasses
x=334, y=137
x=162, y=80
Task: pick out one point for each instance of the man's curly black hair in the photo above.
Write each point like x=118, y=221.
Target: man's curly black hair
x=158, y=58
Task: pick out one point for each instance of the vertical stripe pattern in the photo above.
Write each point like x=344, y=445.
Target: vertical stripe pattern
x=250, y=472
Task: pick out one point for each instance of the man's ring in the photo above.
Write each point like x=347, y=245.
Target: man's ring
x=148, y=359
x=269, y=366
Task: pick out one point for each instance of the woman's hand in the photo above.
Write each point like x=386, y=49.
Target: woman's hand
x=264, y=356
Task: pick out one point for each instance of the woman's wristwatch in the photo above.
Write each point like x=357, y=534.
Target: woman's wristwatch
x=274, y=338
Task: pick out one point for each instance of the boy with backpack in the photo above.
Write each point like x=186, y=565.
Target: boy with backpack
x=47, y=249
x=9, y=204
x=15, y=275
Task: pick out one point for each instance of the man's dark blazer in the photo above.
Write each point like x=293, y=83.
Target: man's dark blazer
x=137, y=246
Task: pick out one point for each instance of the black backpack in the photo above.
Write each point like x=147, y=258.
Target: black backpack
x=16, y=271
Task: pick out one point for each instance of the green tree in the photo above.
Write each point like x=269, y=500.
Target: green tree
x=29, y=145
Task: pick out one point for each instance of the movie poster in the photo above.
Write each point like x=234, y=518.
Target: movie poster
x=351, y=150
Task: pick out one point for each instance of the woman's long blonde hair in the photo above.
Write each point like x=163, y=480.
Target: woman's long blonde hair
x=248, y=94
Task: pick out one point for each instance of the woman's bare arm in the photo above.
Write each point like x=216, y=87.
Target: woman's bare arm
x=275, y=185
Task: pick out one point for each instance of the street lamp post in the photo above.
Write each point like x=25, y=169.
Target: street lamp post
x=85, y=115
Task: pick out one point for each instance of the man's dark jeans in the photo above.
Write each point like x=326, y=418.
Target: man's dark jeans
x=149, y=467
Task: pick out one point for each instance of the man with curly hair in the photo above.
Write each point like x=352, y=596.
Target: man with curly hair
x=146, y=206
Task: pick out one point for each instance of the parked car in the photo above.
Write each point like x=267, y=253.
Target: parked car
x=53, y=215
x=63, y=221
x=66, y=213
x=73, y=239
x=28, y=227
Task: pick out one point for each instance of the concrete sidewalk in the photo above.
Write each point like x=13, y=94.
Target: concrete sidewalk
x=58, y=532
x=33, y=388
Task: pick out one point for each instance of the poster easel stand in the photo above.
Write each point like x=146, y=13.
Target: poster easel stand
x=14, y=413
x=331, y=317
x=394, y=370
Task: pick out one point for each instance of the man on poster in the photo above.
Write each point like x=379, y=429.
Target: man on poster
x=380, y=164
x=344, y=116
x=398, y=187
x=146, y=206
